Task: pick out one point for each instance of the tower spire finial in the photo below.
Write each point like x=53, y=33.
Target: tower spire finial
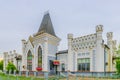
x=46, y=12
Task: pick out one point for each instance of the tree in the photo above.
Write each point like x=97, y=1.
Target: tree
x=118, y=59
x=1, y=65
x=118, y=66
x=11, y=67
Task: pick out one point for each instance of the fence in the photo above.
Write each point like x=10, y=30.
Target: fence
x=27, y=75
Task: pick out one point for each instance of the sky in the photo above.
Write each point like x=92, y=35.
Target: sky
x=21, y=18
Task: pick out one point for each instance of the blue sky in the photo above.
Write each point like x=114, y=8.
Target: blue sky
x=21, y=18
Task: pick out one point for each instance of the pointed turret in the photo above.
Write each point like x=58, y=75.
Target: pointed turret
x=46, y=25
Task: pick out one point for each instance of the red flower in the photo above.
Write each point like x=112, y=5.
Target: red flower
x=56, y=62
x=39, y=69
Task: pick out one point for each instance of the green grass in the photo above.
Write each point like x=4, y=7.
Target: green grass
x=11, y=77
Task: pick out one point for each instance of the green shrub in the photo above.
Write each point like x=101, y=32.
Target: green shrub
x=118, y=66
x=1, y=65
x=11, y=67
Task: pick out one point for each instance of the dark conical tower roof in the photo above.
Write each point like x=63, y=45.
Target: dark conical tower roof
x=46, y=25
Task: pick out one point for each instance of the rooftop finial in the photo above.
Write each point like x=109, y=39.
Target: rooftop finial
x=99, y=28
x=46, y=12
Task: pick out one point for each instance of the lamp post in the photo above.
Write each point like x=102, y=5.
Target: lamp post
x=17, y=59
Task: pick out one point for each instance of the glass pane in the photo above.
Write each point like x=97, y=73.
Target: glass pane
x=39, y=57
x=86, y=60
x=84, y=64
x=79, y=60
x=88, y=66
x=29, y=61
x=83, y=60
x=83, y=67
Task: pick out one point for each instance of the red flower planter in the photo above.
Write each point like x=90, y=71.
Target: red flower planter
x=39, y=69
x=56, y=62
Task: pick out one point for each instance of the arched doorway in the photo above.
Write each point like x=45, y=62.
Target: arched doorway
x=40, y=57
x=29, y=61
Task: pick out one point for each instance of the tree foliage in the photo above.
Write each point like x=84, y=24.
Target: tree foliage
x=118, y=66
x=118, y=59
x=11, y=67
x=1, y=65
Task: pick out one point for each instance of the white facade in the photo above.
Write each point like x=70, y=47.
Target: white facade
x=48, y=45
x=62, y=57
x=45, y=39
x=90, y=52
x=85, y=53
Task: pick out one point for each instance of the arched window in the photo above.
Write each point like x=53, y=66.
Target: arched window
x=29, y=61
x=39, y=57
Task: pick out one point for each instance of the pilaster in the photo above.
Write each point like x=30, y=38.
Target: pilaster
x=99, y=62
x=70, y=55
x=109, y=43
x=45, y=68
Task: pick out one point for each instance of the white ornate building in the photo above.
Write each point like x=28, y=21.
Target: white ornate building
x=85, y=53
x=88, y=53
x=41, y=48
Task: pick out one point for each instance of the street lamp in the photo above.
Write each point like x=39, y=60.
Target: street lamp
x=17, y=59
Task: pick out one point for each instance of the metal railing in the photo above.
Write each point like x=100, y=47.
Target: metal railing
x=27, y=75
